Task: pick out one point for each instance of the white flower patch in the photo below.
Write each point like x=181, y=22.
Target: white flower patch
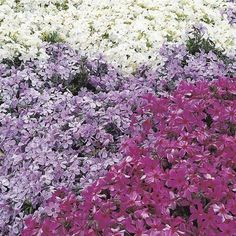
x=127, y=32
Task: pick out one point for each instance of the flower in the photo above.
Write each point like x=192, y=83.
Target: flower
x=127, y=33
x=148, y=193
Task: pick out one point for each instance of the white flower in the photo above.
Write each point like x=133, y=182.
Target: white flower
x=115, y=28
x=220, y=209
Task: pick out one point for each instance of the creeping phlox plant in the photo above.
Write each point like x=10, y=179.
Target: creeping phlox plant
x=127, y=32
x=178, y=177
x=62, y=120
x=61, y=125
x=179, y=64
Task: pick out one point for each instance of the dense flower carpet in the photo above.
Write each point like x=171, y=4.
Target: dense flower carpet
x=118, y=118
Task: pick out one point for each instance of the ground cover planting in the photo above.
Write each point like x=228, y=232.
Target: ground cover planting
x=117, y=118
x=127, y=32
x=178, y=177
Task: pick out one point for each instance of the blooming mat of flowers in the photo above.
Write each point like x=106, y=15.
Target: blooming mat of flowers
x=52, y=133
x=127, y=32
x=138, y=92
x=62, y=120
x=178, y=178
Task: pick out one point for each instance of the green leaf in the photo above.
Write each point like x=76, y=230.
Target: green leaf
x=51, y=37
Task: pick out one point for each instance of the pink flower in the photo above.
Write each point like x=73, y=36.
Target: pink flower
x=103, y=219
x=138, y=228
x=228, y=229
x=49, y=227
x=169, y=231
x=32, y=227
x=177, y=178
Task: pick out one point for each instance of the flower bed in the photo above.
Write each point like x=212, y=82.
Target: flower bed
x=61, y=125
x=63, y=119
x=78, y=79
x=127, y=32
x=178, y=179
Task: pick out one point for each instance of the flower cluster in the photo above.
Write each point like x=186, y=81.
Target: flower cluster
x=61, y=125
x=117, y=118
x=178, y=178
x=179, y=64
x=62, y=120
x=127, y=32
x=231, y=14
x=63, y=206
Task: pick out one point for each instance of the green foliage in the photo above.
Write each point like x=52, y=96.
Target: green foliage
x=199, y=43
x=105, y=36
x=231, y=128
x=14, y=62
x=80, y=79
x=207, y=20
x=51, y=37
x=149, y=17
x=182, y=211
x=27, y=207
x=181, y=17
x=91, y=27
x=62, y=6
x=148, y=44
